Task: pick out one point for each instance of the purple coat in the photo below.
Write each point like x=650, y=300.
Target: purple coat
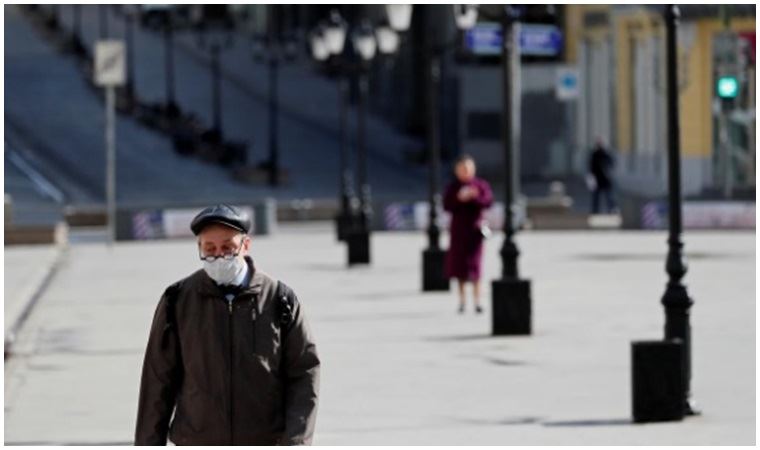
x=463, y=260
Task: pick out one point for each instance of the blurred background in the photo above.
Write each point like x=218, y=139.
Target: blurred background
x=232, y=102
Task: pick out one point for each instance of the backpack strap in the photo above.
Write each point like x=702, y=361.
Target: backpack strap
x=286, y=304
x=172, y=295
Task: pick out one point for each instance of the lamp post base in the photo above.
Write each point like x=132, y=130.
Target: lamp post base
x=511, y=306
x=358, y=246
x=433, y=270
x=344, y=221
x=658, y=374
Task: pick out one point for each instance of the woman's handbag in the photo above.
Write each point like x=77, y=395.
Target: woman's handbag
x=485, y=230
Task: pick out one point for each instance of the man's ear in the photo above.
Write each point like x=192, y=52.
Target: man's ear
x=246, y=244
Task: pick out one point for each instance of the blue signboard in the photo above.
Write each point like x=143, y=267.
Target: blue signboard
x=540, y=40
x=485, y=39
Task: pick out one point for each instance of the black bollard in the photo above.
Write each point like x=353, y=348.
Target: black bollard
x=658, y=381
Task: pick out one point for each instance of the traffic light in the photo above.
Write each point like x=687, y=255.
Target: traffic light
x=728, y=87
x=727, y=68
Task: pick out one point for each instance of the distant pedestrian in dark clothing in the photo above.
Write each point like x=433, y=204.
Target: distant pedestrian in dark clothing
x=466, y=198
x=600, y=166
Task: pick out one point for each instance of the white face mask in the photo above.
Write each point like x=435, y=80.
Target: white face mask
x=224, y=271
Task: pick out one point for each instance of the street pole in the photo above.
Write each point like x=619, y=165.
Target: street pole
x=358, y=236
x=216, y=92
x=111, y=163
x=345, y=216
x=130, y=38
x=676, y=300
x=433, y=258
x=273, y=120
x=511, y=307
x=172, y=110
x=274, y=43
x=362, y=139
x=725, y=152
x=509, y=251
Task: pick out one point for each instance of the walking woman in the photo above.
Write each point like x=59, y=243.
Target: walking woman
x=466, y=198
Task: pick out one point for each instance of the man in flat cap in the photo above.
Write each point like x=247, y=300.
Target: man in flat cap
x=230, y=354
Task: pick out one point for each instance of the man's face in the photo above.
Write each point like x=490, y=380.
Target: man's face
x=218, y=239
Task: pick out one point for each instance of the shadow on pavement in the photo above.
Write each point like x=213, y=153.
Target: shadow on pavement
x=386, y=295
x=469, y=337
x=588, y=423
x=652, y=256
x=505, y=421
x=505, y=362
x=528, y=420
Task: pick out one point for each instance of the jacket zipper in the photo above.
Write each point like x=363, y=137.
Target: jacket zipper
x=232, y=369
x=254, y=313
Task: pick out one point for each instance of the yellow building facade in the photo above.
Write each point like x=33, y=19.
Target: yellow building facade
x=624, y=99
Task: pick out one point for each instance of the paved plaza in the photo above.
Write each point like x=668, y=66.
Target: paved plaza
x=400, y=366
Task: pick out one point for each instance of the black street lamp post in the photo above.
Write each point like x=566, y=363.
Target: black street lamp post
x=354, y=226
x=279, y=44
x=358, y=237
x=274, y=153
x=676, y=300
x=130, y=14
x=661, y=370
x=216, y=97
x=434, y=257
x=217, y=40
x=329, y=43
x=511, y=302
x=347, y=198
x=171, y=108
x=367, y=41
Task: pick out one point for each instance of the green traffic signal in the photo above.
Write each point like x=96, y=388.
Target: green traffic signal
x=728, y=87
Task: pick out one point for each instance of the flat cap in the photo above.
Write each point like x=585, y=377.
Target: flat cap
x=223, y=214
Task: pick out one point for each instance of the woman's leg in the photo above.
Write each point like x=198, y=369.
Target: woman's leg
x=476, y=294
x=461, y=283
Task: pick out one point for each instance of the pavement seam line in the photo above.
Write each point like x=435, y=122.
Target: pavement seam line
x=12, y=332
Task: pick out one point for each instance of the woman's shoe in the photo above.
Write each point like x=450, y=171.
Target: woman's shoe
x=461, y=309
x=478, y=309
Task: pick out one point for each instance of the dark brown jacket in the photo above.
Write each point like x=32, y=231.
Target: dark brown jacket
x=243, y=375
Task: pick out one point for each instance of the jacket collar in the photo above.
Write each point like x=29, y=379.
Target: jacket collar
x=256, y=280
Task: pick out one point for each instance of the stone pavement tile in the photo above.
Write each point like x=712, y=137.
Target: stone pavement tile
x=402, y=367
